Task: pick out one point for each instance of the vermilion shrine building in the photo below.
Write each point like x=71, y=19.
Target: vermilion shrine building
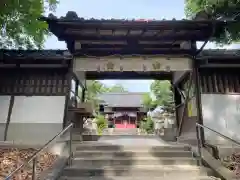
x=123, y=110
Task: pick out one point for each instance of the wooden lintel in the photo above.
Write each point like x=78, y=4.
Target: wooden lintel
x=103, y=42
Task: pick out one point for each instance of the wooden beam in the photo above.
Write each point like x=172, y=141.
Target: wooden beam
x=128, y=75
x=188, y=36
x=180, y=52
x=83, y=42
x=151, y=25
x=126, y=46
x=129, y=64
x=159, y=42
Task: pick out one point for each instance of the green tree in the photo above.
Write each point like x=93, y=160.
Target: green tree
x=148, y=102
x=117, y=88
x=227, y=9
x=94, y=88
x=163, y=94
x=19, y=23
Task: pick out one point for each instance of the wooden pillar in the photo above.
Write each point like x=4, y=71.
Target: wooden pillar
x=76, y=92
x=136, y=119
x=83, y=94
x=197, y=86
x=114, y=121
x=129, y=119
x=66, y=119
x=178, y=101
x=9, y=117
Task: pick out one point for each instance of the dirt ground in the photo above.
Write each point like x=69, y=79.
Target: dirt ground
x=12, y=158
x=232, y=163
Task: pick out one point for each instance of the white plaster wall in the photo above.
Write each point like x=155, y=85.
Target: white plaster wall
x=4, y=106
x=221, y=113
x=36, y=119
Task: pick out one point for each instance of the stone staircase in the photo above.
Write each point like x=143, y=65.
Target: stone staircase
x=101, y=161
x=125, y=131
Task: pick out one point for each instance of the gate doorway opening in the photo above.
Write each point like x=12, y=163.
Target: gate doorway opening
x=137, y=104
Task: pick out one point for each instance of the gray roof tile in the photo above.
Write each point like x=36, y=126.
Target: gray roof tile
x=127, y=99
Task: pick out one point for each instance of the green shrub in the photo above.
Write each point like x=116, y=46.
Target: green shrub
x=101, y=122
x=147, y=124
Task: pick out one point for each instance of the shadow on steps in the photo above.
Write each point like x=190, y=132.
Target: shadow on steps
x=87, y=165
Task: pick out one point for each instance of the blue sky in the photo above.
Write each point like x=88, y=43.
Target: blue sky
x=123, y=9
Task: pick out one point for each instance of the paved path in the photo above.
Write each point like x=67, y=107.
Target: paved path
x=134, y=140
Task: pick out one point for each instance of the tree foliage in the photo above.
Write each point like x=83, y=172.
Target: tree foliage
x=101, y=122
x=117, y=88
x=163, y=94
x=20, y=27
x=94, y=88
x=161, y=90
x=148, y=102
x=147, y=125
x=227, y=9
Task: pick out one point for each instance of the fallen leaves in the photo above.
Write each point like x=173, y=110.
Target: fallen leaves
x=232, y=162
x=12, y=158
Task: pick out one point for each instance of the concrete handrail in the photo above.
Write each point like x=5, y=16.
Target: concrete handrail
x=223, y=136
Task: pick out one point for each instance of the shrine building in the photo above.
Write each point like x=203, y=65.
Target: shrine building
x=123, y=110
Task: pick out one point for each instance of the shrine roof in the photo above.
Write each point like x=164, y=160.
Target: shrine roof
x=220, y=54
x=61, y=54
x=52, y=54
x=35, y=56
x=121, y=36
x=124, y=99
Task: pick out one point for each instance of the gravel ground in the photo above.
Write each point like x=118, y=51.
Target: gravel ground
x=12, y=158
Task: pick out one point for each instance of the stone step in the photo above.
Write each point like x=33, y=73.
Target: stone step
x=139, y=178
x=119, y=131
x=130, y=154
x=109, y=161
x=141, y=170
x=125, y=131
x=110, y=147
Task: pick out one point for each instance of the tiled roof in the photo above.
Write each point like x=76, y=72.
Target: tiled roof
x=65, y=53
x=126, y=99
x=35, y=54
x=71, y=15
x=103, y=37
x=220, y=53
